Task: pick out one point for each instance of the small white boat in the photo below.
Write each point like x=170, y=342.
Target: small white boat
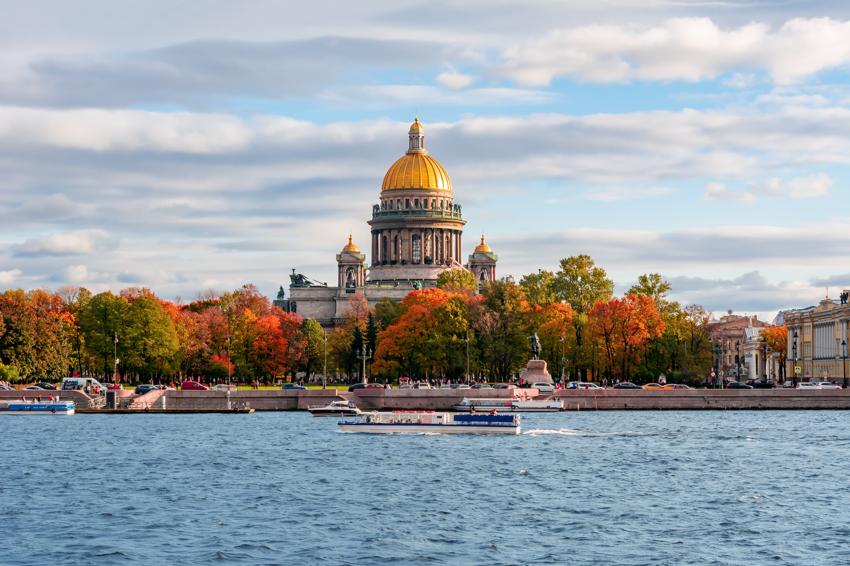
x=435, y=423
x=538, y=405
x=336, y=409
x=510, y=405
x=37, y=408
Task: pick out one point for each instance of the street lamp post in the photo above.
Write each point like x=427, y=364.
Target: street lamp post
x=563, y=360
x=738, y=360
x=718, y=352
x=467, y=357
x=115, y=357
x=325, y=367
x=794, y=352
x=229, y=365
x=363, y=356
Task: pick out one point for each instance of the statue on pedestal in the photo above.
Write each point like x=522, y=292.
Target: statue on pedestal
x=535, y=347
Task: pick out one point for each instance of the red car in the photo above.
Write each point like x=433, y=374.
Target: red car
x=193, y=386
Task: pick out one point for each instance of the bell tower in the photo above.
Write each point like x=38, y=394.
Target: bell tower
x=482, y=263
x=351, y=267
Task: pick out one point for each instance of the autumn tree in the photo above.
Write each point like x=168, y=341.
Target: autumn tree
x=776, y=339
x=457, y=280
x=539, y=288
x=582, y=284
x=501, y=327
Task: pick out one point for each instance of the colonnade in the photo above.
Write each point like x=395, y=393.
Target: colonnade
x=415, y=245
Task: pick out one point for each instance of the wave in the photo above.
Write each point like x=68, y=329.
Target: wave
x=573, y=432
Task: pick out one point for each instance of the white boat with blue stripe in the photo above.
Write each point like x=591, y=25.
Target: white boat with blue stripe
x=432, y=422
x=37, y=408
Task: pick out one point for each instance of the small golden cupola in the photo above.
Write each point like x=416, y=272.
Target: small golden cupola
x=350, y=247
x=483, y=248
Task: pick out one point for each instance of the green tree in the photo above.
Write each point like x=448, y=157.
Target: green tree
x=313, y=337
x=457, y=280
x=388, y=311
x=581, y=283
x=500, y=324
x=102, y=319
x=151, y=341
x=539, y=288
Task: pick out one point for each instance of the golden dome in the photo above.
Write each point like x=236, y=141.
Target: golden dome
x=416, y=171
x=350, y=247
x=483, y=248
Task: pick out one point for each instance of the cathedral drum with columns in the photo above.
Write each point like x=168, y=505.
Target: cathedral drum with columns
x=417, y=231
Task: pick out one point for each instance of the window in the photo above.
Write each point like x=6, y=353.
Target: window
x=416, y=249
x=407, y=203
x=416, y=203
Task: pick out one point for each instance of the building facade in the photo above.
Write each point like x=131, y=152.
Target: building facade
x=734, y=338
x=817, y=341
x=416, y=234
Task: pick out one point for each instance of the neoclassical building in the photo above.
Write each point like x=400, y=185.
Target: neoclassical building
x=818, y=341
x=417, y=233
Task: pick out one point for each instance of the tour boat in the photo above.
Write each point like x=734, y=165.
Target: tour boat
x=335, y=409
x=510, y=405
x=438, y=423
x=37, y=408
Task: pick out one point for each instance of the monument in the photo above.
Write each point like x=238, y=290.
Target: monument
x=535, y=370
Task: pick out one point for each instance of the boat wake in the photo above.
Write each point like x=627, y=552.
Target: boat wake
x=573, y=432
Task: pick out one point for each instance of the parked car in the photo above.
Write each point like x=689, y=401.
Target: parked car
x=503, y=386
x=481, y=386
x=193, y=386
x=582, y=385
x=145, y=388
x=738, y=385
x=463, y=386
x=224, y=387
x=827, y=385
x=361, y=386
x=543, y=387
x=653, y=387
x=626, y=385
x=422, y=386
x=670, y=386
x=46, y=385
x=761, y=384
x=290, y=386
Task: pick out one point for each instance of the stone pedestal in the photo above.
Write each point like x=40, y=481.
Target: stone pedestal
x=535, y=372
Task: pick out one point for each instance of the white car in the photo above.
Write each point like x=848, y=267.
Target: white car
x=827, y=385
x=543, y=387
x=582, y=385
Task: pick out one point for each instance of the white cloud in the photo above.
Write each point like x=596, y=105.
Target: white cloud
x=718, y=191
x=804, y=187
x=812, y=186
x=9, y=276
x=454, y=80
x=687, y=49
x=80, y=242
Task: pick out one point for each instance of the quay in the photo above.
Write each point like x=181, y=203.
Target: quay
x=244, y=401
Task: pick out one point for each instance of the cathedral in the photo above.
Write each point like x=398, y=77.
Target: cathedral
x=417, y=231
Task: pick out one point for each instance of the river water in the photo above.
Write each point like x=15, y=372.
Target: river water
x=766, y=487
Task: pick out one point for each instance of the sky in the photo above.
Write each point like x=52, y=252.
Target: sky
x=187, y=145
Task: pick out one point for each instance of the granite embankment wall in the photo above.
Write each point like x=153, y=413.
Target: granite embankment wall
x=79, y=398
x=700, y=399
x=260, y=400
x=429, y=399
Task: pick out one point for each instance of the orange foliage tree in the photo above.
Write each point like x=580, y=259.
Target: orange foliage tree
x=622, y=327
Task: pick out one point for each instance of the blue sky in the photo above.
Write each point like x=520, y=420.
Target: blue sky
x=208, y=144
